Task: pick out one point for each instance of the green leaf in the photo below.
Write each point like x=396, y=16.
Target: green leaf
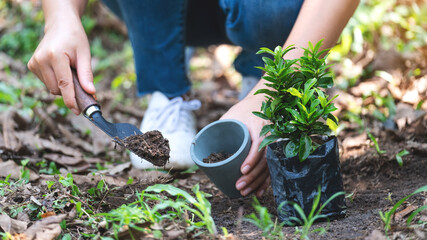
x=329, y=109
x=266, y=91
x=307, y=96
x=314, y=104
x=265, y=50
x=268, y=140
x=291, y=149
x=266, y=129
x=274, y=104
x=408, y=222
x=333, y=118
x=268, y=61
x=399, y=156
x=174, y=191
x=309, y=84
x=377, y=147
x=294, y=92
x=303, y=110
x=320, y=93
x=288, y=127
x=262, y=68
x=323, y=101
x=269, y=78
x=332, y=99
x=261, y=115
x=296, y=115
x=100, y=185
x=305, y=146
x=326, y=82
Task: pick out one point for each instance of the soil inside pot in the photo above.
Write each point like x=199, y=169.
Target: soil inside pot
x=216, y=157
x=151, y=146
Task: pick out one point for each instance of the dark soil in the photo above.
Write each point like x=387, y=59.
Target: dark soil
x=369, y=185
x=151, y=146
x=216, y=157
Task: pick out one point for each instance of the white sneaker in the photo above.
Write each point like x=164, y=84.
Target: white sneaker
x=175, y=120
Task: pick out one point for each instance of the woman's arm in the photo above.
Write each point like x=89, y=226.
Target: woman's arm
x=317, y=20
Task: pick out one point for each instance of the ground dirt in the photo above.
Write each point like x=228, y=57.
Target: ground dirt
x=370, y=190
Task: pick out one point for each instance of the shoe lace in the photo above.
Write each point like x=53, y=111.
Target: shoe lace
x=176, y=113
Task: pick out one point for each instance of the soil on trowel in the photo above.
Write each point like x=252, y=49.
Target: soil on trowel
x=216, y=157
x=151, y=146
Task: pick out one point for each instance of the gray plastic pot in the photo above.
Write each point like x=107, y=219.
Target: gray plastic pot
x=226, y=136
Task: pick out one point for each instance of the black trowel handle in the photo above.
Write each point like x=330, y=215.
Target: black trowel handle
x=84, y=100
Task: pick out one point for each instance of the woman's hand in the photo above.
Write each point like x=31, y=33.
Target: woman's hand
x=63, y=46
x=256, y=176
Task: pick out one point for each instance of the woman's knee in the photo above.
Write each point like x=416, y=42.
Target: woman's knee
x=114, y=6
x=260, y=23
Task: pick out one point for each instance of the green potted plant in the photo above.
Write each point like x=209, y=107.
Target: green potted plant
x=301, y=155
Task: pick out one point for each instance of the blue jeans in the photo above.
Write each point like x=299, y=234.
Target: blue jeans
x=160, y=30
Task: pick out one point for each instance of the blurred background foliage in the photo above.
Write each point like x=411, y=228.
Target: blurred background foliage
x=378, y=25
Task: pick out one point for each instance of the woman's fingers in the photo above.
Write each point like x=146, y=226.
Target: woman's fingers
x=64, y=79
x=84, y=70
x=254, y=156
x=254, y=179
x=256, y=184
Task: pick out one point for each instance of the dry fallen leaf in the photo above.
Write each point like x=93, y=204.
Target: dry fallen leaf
x=417, y=147
x=12, y=226
x=9, y=137
x=62, y=159
x=10, y=167
x=48, y=214
x=401, y=214
x=46, y=228
x=406, y=114
x=35, y=143
x=356, y=141
x=376, y=235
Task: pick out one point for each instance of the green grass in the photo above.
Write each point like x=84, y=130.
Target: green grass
x=387, y=216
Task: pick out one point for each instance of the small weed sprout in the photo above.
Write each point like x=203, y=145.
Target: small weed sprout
x=126, y=215
x=377, y=147
x=139, y=212
x=263, y=220
x=25, y=172
x=314, y=215
x=399, y=156
x=4, y=185
x=100, y=189
x=202, y=206
x=69, y=182
x=45, y=168
x=387, y=216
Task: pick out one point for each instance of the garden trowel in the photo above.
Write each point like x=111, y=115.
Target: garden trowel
x=92, y=111
x=150, y=146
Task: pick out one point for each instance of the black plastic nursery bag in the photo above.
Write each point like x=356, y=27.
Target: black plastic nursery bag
x=297, y=182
